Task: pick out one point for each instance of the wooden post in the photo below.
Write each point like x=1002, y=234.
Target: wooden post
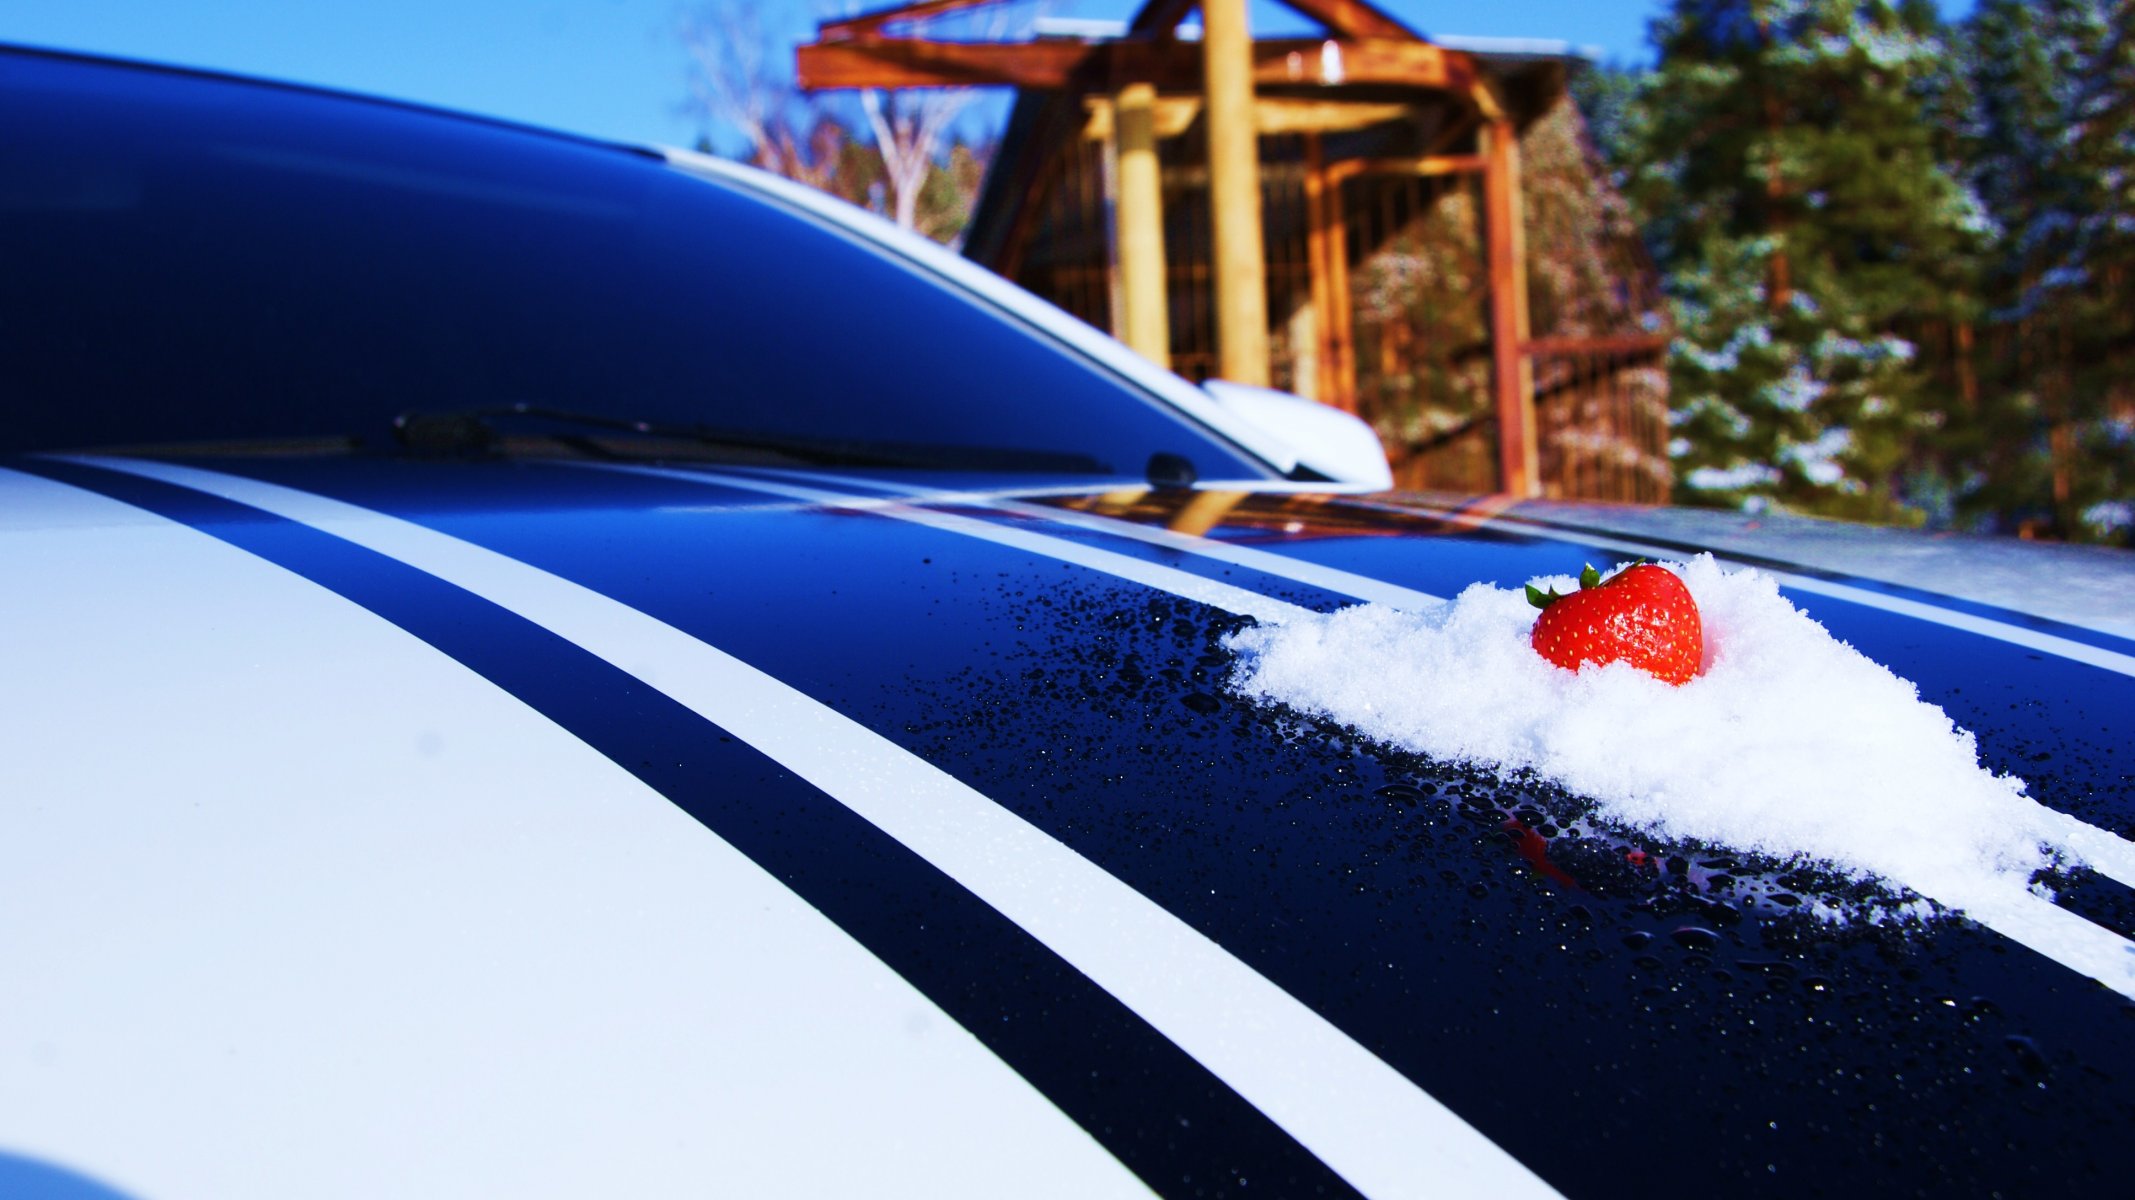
x=1519, y=466
x=1328, y=238
x=1316, y=263
x=1234, y=193
x=1341, y=319
x=1145, y=316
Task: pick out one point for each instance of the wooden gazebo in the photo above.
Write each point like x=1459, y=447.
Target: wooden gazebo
x=1344, y=216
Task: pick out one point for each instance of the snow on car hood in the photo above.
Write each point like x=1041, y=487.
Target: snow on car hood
x=1789, y=744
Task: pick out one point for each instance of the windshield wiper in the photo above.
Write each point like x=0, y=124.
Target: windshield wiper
x=474, y=432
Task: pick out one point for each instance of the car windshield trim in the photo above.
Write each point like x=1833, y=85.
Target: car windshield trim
x=473, y=430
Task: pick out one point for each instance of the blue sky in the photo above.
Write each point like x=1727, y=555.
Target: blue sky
x=611, y=68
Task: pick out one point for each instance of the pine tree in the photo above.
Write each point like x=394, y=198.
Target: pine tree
x=2053, y=158
x=1607, y=98
x=1794, y=198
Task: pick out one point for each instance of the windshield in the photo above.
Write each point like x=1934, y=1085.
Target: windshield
x=188, y=259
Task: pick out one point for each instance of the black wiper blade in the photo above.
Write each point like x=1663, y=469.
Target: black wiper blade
x=473, y=432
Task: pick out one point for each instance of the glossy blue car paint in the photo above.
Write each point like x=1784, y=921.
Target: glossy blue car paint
x=1571, y=1019
x=1617, y=1028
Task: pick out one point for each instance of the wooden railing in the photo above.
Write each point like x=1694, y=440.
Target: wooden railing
x=1601, y=412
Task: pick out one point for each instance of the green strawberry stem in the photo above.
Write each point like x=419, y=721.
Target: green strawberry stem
x=1588, y=578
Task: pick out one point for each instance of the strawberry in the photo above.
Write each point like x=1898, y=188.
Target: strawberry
x=1642, y=615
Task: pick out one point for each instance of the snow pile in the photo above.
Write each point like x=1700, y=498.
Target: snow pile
x=1790, y=743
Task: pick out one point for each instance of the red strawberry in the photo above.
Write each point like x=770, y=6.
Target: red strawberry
x=1643, y=616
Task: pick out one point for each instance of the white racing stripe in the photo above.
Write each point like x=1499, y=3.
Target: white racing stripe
x=298, y=905
x=2030, y=639
x=1331, y=579
x=1365, y=1120
x=2054, y=933
x=2018, y=635
x=2036, y=923
x=2103, y=851
x=1194, y=587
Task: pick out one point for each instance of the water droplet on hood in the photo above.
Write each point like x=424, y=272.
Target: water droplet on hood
x=1692, y=937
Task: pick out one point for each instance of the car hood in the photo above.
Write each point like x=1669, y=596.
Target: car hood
x=323, y=730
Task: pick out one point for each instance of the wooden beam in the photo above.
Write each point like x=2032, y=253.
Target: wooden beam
x=1271, y=115
x=1519, y=460
x=1430, y=165
x=876, y=62
x=1483, y=94
x=1455, y=129
x=1353, y=18
x=1331, y=283
x=861, y=25
x=1319, y=245
x=1407, y=63
x=1234, y=194
x=1606, y=344
x=1284, y=114
x=1160, y=17
x=914, y=62
x=1145, y=317
x=1341, y=315
x=1347, y=18
x=1172, y=115
x=1108, y=214
x=1316, y=270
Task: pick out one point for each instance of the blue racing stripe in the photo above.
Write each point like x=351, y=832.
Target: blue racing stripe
x=1180, y=1129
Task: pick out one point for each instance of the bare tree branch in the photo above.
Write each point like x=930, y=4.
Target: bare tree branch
x=909, y=128
x=737, y=78
x=741, y=78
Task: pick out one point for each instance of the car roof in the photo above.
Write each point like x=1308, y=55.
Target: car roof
x=909, y=249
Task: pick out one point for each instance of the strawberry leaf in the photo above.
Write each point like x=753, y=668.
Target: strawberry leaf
x=1537, y=597
x=1589, y=577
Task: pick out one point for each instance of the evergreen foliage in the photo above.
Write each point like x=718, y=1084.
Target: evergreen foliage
x=1607, y=97
x=1900, y=255
x=1795, y=200
x=2052, y=154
